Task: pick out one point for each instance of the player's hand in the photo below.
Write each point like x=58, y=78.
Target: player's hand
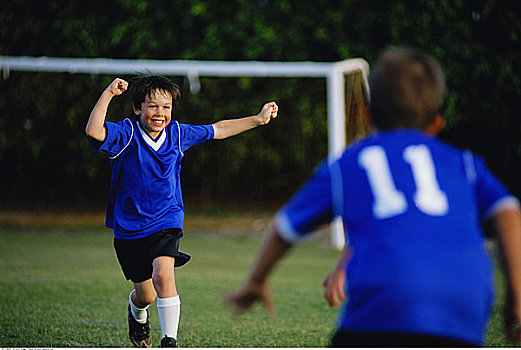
x=512, y=322
x=248, y=295
x=334, y=284
x=117, y=87
x=268, y=112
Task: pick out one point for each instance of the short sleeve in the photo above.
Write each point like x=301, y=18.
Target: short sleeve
x=194, y=134
x=118, y=138
x=491, y=194
x=308, y=209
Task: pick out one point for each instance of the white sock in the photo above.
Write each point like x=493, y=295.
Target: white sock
x=139, y=314
x=168, y=310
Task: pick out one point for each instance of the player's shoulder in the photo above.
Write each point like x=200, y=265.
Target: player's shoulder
x=122, y=127
x=444, y=145
x=397, y=140
x=403, y=137
x=126, y=122
x=177, y=127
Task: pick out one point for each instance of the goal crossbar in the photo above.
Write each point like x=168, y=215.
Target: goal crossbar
x=333, y=72
x=180, y=67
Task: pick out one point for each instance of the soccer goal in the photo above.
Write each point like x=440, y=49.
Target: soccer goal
x=328, y=113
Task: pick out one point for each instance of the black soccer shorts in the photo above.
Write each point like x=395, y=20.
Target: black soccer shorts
x=364, y=339
x=135, y=256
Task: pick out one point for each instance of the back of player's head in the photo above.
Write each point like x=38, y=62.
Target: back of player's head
x=407, y=89
x=146, y=85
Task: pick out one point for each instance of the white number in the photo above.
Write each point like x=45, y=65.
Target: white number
x=428, y=197
x=388, y=200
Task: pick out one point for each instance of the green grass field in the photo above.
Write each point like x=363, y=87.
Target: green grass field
x=64, y=288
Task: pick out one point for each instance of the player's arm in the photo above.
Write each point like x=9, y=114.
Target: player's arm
x=230, y=127
x=289, y=228
x=96, y=125
x=335, y=281
x=256, y=288
x=507, y=224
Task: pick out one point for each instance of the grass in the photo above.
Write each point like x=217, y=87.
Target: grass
x=64, y=288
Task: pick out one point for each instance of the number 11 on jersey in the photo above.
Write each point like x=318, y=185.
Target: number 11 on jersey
x=390, y=201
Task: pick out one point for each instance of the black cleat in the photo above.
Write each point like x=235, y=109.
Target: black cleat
x=139, y=333
x=168, y=342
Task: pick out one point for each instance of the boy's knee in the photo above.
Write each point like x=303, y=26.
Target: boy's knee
x=145, y=297
x=162, y=278
x=163, y=275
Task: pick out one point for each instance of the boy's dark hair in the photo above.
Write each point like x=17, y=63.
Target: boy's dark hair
x=407, y=89
x=145, y=85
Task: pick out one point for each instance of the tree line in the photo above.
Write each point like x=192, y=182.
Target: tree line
x=45, y=157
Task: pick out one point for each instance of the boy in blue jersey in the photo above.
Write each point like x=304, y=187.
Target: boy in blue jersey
x=417, y=271
x=145, y=207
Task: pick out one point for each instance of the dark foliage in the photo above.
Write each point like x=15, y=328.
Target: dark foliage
x=45, y=157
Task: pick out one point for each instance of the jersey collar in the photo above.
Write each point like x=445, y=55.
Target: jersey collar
x=154, y=144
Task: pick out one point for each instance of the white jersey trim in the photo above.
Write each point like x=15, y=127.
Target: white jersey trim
x=154, y=144
x=128, y=143
x=504, y=203
x=286, y=230
x=179, y=138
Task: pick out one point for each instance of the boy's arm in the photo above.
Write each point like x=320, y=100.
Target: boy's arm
x=96, y=125
x=507, y=224
x=227, y=128
x=256, y=287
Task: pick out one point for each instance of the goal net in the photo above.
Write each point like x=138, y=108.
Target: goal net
x=322, y=107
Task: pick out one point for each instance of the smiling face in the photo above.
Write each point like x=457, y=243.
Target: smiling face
x=155, y=113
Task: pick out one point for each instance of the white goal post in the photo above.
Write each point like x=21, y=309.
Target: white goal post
x=333, y=72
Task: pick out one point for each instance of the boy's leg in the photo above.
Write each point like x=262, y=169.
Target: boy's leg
x=168, y=302
x=139, y=301
x=134, y=258
x=163, y=276
x=140, y=298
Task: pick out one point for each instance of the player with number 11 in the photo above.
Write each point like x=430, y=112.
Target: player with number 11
x=416, y=268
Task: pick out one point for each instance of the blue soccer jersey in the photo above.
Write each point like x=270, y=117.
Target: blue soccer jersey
x=145, y=194
x=412, y=208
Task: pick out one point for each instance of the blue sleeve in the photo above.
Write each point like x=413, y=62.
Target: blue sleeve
x=118, y=138
x=491, y=194
x=194, y=134
x=309, y=208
